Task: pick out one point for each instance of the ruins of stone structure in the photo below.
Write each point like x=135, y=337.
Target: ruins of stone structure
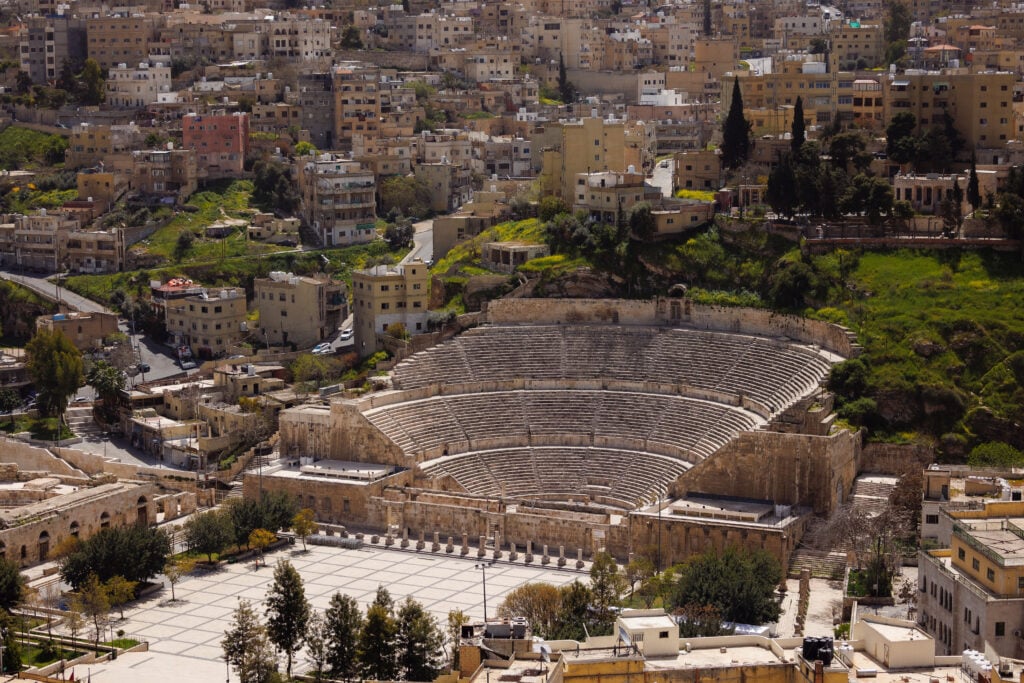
x=589, y=424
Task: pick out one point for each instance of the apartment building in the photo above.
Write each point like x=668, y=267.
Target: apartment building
x=170, y=173
x=357, y=103
x=209, y=323
x=121, y=38
x=36, y=242
x=84, y=330
x=137, y=86
x=220, y=142
x=300, y=38
x=607, y=196
x=95, y=251
x=697, y=170
x=385, y=295
x=93, y=145
x=46, y=42
x=299, y=310
x=338, y=199
x=971, y=591
x=980, y=104
x=856, y=45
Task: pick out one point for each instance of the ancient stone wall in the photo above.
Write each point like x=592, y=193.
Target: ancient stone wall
x=788, y=469
x=888, y=458
x=28, y=457
x=82, y=513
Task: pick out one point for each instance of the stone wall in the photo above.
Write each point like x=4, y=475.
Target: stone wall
x=28, y=457
x=664, y=311
x=788, y=469
x=84, y=512
x=888, y=458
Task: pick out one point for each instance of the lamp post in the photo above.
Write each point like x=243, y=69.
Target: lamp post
x=483, y=567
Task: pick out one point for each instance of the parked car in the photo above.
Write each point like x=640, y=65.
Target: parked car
x=188, y=365
x=323, y=349
x=144, y=367
x=346, y=334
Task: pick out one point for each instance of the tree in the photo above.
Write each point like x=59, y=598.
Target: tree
x=995, y=454
x=92, y=83
x=870, y=196
x=574, y=614
x=539, y=603
x=456, y=619
x=707, y=19
x=639, y=569
x=247, y=647
x=55, y=366
x=317, y=645
x=417, y=642
x=735, y=131
x=134, y=552
x=377, y=641
x=408, y=194
x=304, y=148
x=399, y=235
x=741, y=586
x=799, y=128
x=303, y=524
x=108, y=381
x=641, y=221
x=781, y=193
x=549, y=207
x=344, y=624
x=11, y=646
x=177, y=569
x=905, y=498
x=607, y=586
x=95, y=603
x=844, y=147
x=183, y=245
x=120, y=591
x=566, y=90
x=209, y=532
x=900, y=143
x=259, y=539
x=699, y=621
x=311, y=368
x=9, y=402
x=973, y=189
x=287, y=611
x=12, y=584
x=897, y=21
x=351, y=39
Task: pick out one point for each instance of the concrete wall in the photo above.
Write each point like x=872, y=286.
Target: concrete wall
x=789, y=469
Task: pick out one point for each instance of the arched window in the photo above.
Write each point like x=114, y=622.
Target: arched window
x=105, y=520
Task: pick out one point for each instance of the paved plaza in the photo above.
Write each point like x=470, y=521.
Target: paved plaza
x=184, y=636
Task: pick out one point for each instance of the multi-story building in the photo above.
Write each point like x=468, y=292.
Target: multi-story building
x=137, y=87
x=220, y=142
x=316, y=101
x=697, y=170
x=357, y=105
x=37, y=242
x=299, y=310
x=337, y=199
x=165, y=172
x=386, y=295
x=607, y=196
x=856, y=45
x=300, y=38
x=971, y=591
x=208, y=323
x=121, y=38
x=93, y=145
x=95, y=251
x=84, y=330
x=450, y=184
x=48, y=42
x=980, y=104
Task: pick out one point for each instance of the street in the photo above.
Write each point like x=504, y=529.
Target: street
x=423, y=242
x=662, y=177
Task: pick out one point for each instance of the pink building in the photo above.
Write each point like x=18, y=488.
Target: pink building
x=221, y=142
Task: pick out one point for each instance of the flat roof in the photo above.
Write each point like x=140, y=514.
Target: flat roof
x=646, y=621
x=896, y=633
x=743, y=655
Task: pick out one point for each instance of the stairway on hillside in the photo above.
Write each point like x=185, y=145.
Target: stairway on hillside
x=259, y=461
x=823, y=564
x=81, y=422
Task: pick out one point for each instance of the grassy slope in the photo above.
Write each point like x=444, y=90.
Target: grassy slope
x=24, y=148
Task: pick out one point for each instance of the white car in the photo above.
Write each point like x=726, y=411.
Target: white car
x=346, y=334
x=663, y=164
x=188, y=365
x=323, y=349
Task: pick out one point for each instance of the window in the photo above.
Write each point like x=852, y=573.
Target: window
x=931, y=519
x=975, y=564
x=961, y=554
x=990, y=574
x=1000, y=629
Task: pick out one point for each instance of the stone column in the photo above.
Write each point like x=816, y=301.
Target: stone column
x=512, y=554
x=497, y=548
x=405, y=538
x=544, y=559
x=529, y=552
x=481, y=549
x=450, y=547
x=420, y=544
x=561, y=556
x=436, y=545
x=579, y=558
x=465, y=545
x=389, y=540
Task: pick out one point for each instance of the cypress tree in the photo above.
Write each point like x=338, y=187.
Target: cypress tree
x=799, y=128
x=707, y=18
x=735, y=131
x=973, y=188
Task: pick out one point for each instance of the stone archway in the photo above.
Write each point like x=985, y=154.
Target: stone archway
x=74, y=529
x=105, y=520
x=142, y=512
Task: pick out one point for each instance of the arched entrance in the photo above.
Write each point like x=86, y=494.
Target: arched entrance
x=105, y=520
x=44, y=546
x=74, y=529
x=142, y=516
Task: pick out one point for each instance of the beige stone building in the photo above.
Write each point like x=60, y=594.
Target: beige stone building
x=170, y=173
x=137, y=86
x=337, y=199
x=85, y=330
x=299, y=310
x=36, y=242
x=386, y=295
x=209, y=323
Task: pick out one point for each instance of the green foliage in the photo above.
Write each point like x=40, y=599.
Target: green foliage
x=607, y=584
x=136, y=553
x=287, y=611
x=351, y=39
x=344, y=623
x=799, y=128
x=418, y=641
x=736, y=141
x=210, y=532
x=56, y=369
x=304, y=148
x=273, y=188
x=377, y=641
x=399, y=235
x=741, y=586
x=247, y=647
x=995, y=454
x=12, y=584
x=408, y=194
x=23, y=148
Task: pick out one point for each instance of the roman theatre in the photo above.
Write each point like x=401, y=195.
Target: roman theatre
x=661, y=426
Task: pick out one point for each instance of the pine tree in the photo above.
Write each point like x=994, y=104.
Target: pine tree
x=735, y=131
x=418, y=642
x=707, y=18
x=973, y=188
x=344, y=624
x=287, y=611
x=246, y=646
x=799, y=129
x=377, y=644
x=566, y=90
x=782, y=191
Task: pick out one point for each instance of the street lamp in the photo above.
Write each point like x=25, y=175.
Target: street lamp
x=483, y=567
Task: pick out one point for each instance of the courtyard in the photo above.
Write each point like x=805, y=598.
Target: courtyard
x=184, y=636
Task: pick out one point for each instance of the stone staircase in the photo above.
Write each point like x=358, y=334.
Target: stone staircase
x=254, y=465
x=823, y=564
x=79, y=421
x=871, y=493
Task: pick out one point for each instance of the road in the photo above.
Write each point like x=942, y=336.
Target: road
x=54, y=292
x=662, y=177
x=423, y=242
